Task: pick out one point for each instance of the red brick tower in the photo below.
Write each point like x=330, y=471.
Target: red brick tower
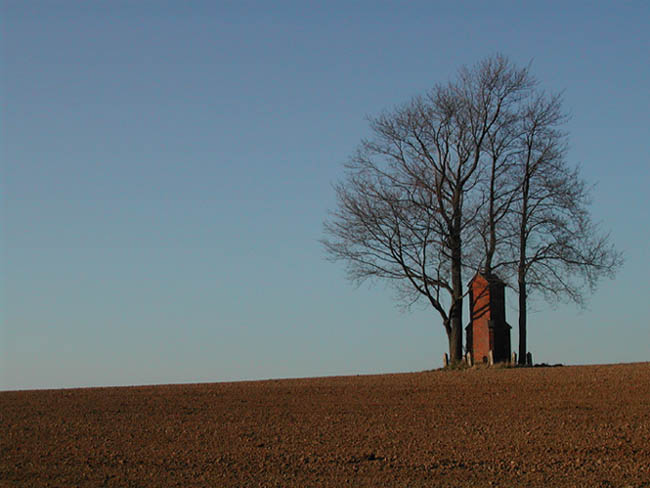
x=488, y=330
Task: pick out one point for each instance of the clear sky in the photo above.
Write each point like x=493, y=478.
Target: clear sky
x=167, y=166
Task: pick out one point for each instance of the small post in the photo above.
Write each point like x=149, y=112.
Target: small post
x=529, y=359
x=469, y=359
x=513, y=359
x=490, y=358
x=445, y=360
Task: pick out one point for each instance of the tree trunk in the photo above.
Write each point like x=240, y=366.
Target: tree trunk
x=522, y=321
x=492, y=243
x=455, y=337
x=521, y=269
x=456, y=312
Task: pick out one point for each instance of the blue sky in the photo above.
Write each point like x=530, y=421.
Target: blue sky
x=167, y=166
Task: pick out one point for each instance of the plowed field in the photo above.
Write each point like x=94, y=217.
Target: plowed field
x=536, y=427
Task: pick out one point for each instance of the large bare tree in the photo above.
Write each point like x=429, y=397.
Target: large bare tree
x=555, y=247
x=411, y=191
x=470, y=177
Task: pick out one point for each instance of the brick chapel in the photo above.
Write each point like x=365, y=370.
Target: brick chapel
x=488, y=330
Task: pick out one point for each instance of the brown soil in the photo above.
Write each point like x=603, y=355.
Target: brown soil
x=569, y=426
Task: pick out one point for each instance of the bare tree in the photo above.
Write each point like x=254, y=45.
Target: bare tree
x=411, y=192
x=498, y=186
x=558, y=250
